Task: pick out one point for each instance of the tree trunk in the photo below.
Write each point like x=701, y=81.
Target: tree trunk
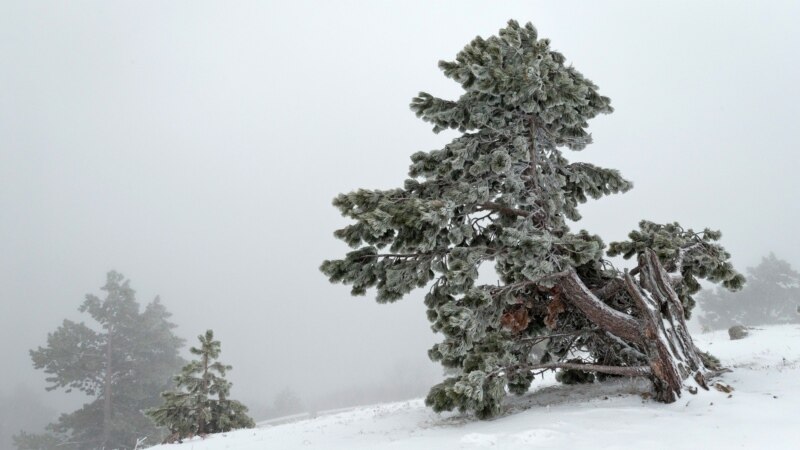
x=107, y=393
x=673, y=355
x=661, y=332
x=201, y=426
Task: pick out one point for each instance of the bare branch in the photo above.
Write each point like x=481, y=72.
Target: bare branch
x=543, y=337
x=604, y=316
x=629, y=371
x=610, y=289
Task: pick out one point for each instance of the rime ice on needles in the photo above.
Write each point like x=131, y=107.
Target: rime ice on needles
x=192, y=408
x=501, y=193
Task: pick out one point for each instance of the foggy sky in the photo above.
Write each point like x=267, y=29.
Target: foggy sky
x=196, y=146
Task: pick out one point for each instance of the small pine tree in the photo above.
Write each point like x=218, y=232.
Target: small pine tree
x=192, y=409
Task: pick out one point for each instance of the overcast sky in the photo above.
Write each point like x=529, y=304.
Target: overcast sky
x=196, y=147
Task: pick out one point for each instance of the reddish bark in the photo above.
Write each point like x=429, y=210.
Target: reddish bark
x=660, y=331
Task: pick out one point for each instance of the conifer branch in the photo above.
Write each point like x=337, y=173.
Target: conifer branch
x=401, y=255
x=526, y=283
x=629, y=371
x=544, y=337
x=532, y=151
x=509, y=210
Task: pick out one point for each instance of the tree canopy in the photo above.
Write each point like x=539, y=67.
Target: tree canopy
x=503, y=193
x=772, y=296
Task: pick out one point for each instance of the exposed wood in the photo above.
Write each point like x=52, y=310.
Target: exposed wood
x=610, y=289
x=607, y=318
x=617, y=285
x=673, y=355
x=666, y=378
x=657, y=281
x=660, y=331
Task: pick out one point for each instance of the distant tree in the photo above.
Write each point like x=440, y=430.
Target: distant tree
x=191, y=409
x=40, y=441
x=503, y=193
x=772, y=296
x=123, y=362
x=287, y=402
x=22, y=409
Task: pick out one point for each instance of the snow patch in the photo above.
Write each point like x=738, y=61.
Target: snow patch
x=761, y=412
x=479, y=439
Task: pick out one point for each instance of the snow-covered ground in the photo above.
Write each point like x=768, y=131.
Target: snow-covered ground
x=763, y=412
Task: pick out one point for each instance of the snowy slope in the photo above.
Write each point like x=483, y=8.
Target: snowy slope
x=763, y=412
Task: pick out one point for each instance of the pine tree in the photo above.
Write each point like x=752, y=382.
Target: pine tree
x=287, y=402
x=124, y=362
x=192, y=409
x=22, y=409
x=772, y=296
x=41, y=441
x=502, y=193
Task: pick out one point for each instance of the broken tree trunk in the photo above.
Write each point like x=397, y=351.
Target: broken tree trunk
x=660, y=332
x=677, y=355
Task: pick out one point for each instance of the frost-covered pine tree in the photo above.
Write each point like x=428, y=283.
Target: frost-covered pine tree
x=200, y=404
x=501, y=193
